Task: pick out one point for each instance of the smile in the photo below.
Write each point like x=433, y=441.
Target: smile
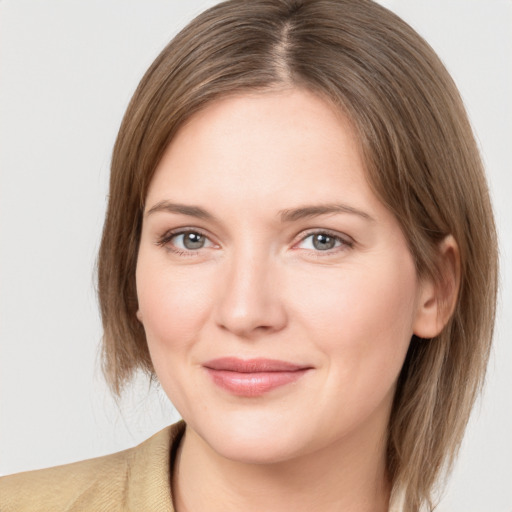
x=253, y=377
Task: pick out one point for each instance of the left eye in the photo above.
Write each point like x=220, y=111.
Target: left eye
x=321, y=242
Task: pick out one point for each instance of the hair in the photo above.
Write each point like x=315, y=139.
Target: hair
x=421, y=160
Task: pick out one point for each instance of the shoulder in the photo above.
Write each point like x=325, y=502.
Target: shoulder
x=134, y=479
x=66, y=487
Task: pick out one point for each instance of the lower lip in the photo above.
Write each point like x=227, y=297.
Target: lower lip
x=253, y=384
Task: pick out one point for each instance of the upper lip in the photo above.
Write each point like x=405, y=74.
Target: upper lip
x=259, y=365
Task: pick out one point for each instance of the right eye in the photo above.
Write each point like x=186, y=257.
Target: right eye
x=185, y=241
x=189, y=241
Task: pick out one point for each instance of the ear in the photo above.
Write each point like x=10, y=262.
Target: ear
x=138, y=314
x=438, y=297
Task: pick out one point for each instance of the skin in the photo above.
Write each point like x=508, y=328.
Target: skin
x=259, y=287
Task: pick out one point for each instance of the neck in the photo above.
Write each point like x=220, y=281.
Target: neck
x=348, y=476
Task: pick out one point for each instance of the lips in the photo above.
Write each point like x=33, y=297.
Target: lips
x=253, y=377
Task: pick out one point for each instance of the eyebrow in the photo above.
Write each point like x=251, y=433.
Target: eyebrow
x=183, y=209
x=304, y=212
x=287, y=215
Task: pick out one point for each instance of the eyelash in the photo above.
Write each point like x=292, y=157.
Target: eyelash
x=345, y=242
x=164, y=240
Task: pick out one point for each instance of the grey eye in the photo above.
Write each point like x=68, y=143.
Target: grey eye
x=193, y=240
x=323, y=242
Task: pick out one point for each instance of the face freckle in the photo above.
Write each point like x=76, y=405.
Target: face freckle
x=259, y=176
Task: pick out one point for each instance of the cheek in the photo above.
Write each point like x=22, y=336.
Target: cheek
x=361, y=317
x=173, y=303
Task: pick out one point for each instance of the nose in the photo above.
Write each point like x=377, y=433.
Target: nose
x=250, y=302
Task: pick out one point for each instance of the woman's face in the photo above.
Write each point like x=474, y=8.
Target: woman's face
x=277, y=293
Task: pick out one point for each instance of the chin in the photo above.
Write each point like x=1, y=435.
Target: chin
x=253, y=451
x=254, y=442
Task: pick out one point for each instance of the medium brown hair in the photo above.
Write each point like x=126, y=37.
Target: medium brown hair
x=421, y=159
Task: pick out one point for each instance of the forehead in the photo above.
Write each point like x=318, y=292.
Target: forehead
x=262, y=147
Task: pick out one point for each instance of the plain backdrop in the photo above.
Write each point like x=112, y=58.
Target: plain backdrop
x=67, y=71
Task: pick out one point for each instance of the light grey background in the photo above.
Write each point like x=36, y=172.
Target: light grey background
x=67, y=71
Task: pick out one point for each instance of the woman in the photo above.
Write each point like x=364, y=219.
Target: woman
x=299, y=244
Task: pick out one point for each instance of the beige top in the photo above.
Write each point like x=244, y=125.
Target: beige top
x=134, y=480
x=137, y=479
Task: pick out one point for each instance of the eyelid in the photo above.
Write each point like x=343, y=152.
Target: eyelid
x=346, y=241
x=167, y=236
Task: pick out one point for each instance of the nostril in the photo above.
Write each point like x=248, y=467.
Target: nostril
x=249, y=304
x=253, y=324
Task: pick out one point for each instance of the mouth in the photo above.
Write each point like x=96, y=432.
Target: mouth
x=253, y=377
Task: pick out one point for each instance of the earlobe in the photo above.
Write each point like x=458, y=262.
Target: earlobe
x=438, y=297
x=138, y=314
